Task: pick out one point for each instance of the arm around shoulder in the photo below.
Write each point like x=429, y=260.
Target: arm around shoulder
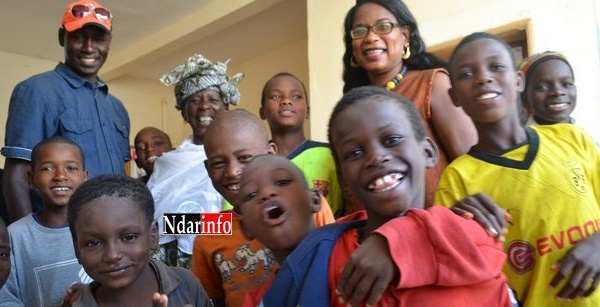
x=436, y=246
x=454, y=129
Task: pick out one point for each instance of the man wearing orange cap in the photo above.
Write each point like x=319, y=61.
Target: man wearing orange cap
x=70, y=101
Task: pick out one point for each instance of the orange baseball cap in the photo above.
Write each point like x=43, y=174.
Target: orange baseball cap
x=86, y=12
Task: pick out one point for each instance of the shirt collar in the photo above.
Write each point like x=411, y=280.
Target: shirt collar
x=76, y=81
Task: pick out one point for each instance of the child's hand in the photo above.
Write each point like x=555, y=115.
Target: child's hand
x=486, y=212
x=72, y=295
x=369, y=271
x=160, y=300
x=581, y=267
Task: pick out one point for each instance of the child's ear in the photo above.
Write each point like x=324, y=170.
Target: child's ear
x=31, y=178
x=520, y=81
x=85, y=175
x=154, y=235
x=452, y=95
x=432, y=154
x=272, y=148
x=261, y=113
x=247, y=233
x=315, y=200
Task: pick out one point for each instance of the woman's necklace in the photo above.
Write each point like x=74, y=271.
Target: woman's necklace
x=392, y=84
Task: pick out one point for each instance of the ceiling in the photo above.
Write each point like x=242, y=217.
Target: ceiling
x=151, y=37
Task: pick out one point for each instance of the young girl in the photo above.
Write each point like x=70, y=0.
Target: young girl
x=546, y=177
x=438, y=257
x=284, y=105
x=384, y=48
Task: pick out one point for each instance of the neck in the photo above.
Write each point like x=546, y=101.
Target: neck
x=288, y=142
x=198, y=140
x=53, y=216
x=381, y=79
x=542, y=121
x=495, y=138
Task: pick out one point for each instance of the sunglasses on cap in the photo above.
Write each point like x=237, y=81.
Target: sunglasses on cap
x=83, y=10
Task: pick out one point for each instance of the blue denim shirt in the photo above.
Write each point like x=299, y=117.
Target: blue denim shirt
x=59, y=102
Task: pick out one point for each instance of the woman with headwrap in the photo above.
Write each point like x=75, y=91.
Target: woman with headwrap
x=180, y=182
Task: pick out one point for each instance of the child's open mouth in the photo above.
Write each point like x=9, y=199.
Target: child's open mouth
x=273, y=214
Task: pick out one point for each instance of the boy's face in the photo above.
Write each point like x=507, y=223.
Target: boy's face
x=58, y=173
x=381, y=161
x=285, y=103
x=4, y=254
x=113, y=241
x=484, y=81
x=551, y=92
x=226, y=159
x=201, y=109
x=86, y=50
x=276, y=204
x=149, y=145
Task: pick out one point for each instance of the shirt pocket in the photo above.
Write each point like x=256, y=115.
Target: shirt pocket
x=75, y=128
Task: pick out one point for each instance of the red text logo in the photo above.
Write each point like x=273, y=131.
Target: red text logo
x=197, y=223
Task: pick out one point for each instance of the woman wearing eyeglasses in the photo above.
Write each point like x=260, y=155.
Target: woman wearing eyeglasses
x=384, y=48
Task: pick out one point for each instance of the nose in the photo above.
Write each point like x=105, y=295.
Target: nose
x=371, y=36
x=557, y=90
x=60, y=174
x=483, y=76
x=265, y=193
x=233, y=170
x=286, y=101
x=377, y=158
x=112, y=253
x=88, y=44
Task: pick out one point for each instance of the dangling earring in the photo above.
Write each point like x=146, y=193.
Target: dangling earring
x=406, y=51
x=353, y=62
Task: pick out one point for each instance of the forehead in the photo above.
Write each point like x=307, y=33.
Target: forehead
x=269, y=164
x=206, y=92
x=232, y=137
x=284, y=81
x=551, y=67
x=481, y=49
x=149, y=134
x=372, y=12
x=380, y=111
x=110, y=210
x=58, y=151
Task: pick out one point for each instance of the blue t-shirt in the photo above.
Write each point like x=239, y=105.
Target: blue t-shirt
x=60, y=102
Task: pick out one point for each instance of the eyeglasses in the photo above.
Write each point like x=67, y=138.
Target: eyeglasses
x=381, y=28
x=82, y=10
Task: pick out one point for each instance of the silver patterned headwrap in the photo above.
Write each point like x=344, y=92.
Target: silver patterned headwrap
x=198, y=74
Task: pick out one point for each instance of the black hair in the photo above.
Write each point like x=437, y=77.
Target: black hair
x=53, y=140
x=379, y=94
x=420, y=59
x=263, y=96
x=477, y=36
x=119, y=186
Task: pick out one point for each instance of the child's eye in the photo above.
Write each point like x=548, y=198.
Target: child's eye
x=72, y=168
x=283, y=182
x=497, y=67
x=392, y=140
x=542, y=87
x=250, y=196
x=130, y=237
x=465, y=74
x=91, y=243
x=296, y=97
x=568, y=84
x=275, y=97
x=4, y=254
x=353, y=154
x=216, y=164
x=245, y=158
